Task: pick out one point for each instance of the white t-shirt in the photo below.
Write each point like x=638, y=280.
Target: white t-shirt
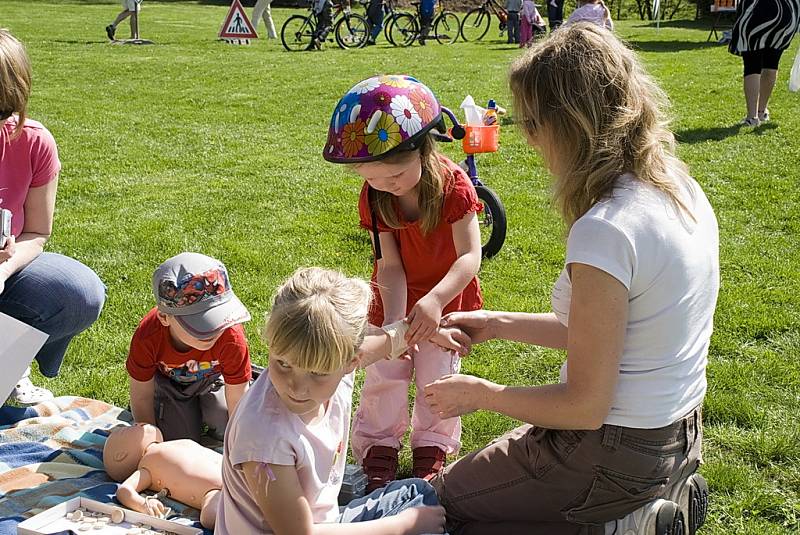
x=264, y=430
x=670, y=266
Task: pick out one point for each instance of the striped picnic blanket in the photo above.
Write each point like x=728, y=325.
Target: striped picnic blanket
x=52, y=452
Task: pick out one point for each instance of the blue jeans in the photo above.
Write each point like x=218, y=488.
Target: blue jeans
x=390, y=500
x=57, y=295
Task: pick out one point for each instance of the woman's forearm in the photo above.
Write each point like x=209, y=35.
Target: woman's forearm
x=540, y=329
x=555, y=406
x=28, y=246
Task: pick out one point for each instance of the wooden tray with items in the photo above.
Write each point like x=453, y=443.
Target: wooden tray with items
x=82, y=515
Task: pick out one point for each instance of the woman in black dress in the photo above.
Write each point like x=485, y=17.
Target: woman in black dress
x=762, y=31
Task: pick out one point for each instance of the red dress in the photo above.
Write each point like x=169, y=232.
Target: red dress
x=428, y=257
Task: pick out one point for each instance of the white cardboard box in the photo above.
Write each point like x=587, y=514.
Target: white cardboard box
x=54, y=520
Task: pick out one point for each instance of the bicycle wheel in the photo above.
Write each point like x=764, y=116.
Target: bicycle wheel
x=351, y=31
x=297, y=33
x=447, y=28
x=492, y=222
x=475, y=24
x=403, y=30
x=386, y=23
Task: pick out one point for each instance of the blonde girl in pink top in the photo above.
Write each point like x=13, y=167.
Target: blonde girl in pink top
x=285, y=447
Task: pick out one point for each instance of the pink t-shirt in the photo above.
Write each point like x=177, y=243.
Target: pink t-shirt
x=29, y=161
x=264, y=430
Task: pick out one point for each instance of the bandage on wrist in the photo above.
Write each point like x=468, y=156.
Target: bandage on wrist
x=397, y=337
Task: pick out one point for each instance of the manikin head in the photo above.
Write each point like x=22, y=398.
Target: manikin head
x=125, y=447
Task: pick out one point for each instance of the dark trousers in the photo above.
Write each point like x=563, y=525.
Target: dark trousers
x=324, y=21
x=535, y=480
x=555, y=13
x=513, y=27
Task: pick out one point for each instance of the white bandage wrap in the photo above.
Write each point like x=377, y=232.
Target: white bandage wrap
x=397, y=335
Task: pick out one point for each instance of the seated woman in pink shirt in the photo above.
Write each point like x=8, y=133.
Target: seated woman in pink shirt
x=53, y=293
x=594, y=11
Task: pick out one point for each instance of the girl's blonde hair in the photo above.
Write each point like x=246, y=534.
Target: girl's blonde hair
x=600, y=114
x=319, y=318
x=430, y=188
x=15, y=79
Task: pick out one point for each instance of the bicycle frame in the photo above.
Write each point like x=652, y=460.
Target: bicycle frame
x=472, y=168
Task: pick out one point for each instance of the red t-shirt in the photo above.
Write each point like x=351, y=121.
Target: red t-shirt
x=28, y=161
x=152, y=351
x=428, y=257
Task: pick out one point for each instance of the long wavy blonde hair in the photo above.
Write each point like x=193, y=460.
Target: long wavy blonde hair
x=584, y=95
x=430, y=188
x=15, y=80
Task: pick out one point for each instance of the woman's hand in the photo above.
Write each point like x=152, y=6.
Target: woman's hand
x=455, y=395
x=9, y=250
x=474, y=323
x=423, y=320
x=452, y=339
x=423, y=520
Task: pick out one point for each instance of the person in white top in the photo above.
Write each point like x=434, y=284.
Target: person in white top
x=286, y=444
x=594, y=11
x=616, y=443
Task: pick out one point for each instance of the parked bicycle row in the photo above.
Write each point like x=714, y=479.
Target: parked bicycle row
x=430, y=20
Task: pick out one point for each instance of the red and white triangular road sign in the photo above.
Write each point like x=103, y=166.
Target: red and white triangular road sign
x=237, y=25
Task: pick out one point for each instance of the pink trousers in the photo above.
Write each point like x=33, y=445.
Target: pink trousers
x=525, y=32
x=382, y=416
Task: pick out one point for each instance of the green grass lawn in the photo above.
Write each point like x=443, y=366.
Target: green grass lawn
x=193, y=144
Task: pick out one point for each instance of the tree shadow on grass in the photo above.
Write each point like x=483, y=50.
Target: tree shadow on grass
x=698, y=135
x=670, y=46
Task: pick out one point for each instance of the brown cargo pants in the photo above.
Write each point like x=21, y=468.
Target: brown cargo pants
x=534, y=480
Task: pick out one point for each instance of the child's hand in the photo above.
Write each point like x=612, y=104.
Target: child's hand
x=422, y=520
x=423, y=320
x=452, y=339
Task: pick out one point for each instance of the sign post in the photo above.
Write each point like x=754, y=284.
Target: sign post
x=136, y=39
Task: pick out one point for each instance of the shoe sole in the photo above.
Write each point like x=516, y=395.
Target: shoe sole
x=698, y=502
x=669, y=520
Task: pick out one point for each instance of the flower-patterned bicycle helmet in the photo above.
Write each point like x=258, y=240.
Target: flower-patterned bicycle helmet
x=379, y=116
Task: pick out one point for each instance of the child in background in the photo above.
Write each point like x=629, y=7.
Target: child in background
x=285, y=448
x=420, y=209
x=513, y=7
x=129, y=9
x=531, y=23
x=594, y=11
x=185, y=348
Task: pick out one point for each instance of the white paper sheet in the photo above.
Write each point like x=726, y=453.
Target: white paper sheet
x=19, y=343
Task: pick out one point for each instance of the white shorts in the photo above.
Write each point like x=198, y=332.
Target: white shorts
x=131, y=5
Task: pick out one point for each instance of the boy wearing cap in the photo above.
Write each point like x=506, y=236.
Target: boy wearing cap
x=189, y=363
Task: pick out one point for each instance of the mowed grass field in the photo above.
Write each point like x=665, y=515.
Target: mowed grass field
x=193, y=144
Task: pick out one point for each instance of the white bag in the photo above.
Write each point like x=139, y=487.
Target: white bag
x=794, y=77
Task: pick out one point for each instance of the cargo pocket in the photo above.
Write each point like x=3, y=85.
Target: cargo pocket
x=613, y=495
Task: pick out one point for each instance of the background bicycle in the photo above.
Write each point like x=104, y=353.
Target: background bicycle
x=477, y=21
x=405, y=28
x=350, y=29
